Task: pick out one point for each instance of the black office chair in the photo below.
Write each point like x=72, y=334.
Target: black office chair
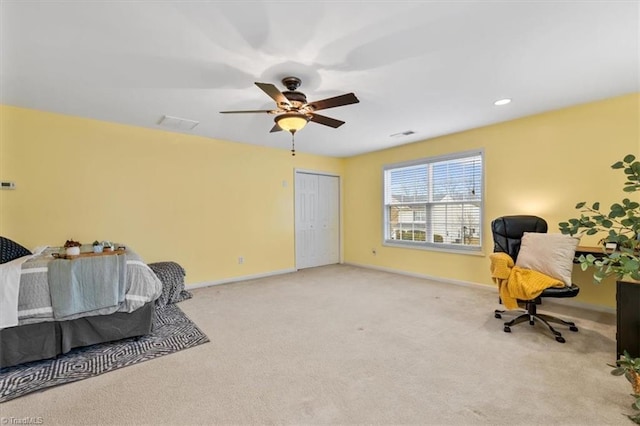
x=507, y=234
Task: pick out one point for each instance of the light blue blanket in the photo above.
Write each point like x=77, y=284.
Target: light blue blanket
x=86, y=284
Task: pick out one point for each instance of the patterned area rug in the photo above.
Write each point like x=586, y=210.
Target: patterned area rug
x=173, y=331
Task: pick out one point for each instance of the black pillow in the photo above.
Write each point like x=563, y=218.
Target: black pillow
x=10, y=250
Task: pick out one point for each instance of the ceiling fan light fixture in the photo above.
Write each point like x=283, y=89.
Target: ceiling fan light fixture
x=294, y=112
x=291, y=121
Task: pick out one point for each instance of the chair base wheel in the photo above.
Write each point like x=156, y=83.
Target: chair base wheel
x=533, y=318
x=498, y=316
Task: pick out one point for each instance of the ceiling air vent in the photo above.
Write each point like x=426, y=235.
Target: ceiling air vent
x=177, y=123
x=405, y=133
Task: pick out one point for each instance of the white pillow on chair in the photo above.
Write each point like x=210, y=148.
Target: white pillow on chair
x=551, y=254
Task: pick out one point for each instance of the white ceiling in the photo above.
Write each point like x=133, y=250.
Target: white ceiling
x=433, y=67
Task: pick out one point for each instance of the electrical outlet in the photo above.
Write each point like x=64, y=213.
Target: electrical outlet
x=7, y=185
x=240, y=260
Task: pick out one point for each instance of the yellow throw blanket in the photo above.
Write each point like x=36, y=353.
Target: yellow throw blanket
x=518, y=283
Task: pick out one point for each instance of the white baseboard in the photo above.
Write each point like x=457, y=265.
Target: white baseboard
x=577, y=304
x=425, y=276
x=567, y=302
x=240, y=278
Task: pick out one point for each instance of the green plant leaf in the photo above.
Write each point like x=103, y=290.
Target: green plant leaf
x=629, y=189
x=632, y=265
x=617, y=165
x=614, y=213
x=629, y=158
x=627, y=374
x=580, y=204
x=618, y=371
x=599, y=275
x=596, y=206
x=635, y=418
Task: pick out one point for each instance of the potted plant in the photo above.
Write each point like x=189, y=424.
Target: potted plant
x=107, y=246
x=72, y=248
x=620, y=255
x=630, y=368
x=97, y=246
x=621, y=225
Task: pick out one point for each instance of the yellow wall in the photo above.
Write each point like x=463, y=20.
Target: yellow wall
x=541, y=165
x=198, y=201
x=204, y=202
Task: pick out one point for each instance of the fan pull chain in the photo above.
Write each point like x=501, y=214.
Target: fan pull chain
x=293, y=144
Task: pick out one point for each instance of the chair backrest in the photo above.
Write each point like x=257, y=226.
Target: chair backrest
x=508, y=230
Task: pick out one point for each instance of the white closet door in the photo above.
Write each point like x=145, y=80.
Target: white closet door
x=329, y=219
x=317, y=220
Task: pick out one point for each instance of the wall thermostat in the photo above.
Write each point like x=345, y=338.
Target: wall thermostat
x=7, y=185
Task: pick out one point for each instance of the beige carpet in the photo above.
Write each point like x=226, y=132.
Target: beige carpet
x=345, y=345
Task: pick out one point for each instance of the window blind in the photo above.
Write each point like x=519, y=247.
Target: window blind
x=435, y=202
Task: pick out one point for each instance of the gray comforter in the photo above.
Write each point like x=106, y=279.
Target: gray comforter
x=141, y=286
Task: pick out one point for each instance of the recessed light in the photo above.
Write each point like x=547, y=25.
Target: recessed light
x=502, y=102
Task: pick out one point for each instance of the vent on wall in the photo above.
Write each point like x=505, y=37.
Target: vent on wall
x=177, y=123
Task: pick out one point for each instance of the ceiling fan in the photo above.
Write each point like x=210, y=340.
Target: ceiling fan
x=293, y=111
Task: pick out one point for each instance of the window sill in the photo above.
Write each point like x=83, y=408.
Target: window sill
x=448, y=249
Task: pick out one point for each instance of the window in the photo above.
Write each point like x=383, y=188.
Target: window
x=435, y=202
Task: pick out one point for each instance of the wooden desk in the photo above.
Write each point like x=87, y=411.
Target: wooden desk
x=594, y=250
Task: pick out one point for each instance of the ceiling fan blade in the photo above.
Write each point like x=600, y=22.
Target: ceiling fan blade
x=275, y=128
x=336, y=101
x=274, y=93
x=268, y=111
x=327, y=121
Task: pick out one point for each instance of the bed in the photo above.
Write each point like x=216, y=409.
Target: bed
x=65, y=304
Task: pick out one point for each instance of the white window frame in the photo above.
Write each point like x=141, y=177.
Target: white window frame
x=426, y=245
